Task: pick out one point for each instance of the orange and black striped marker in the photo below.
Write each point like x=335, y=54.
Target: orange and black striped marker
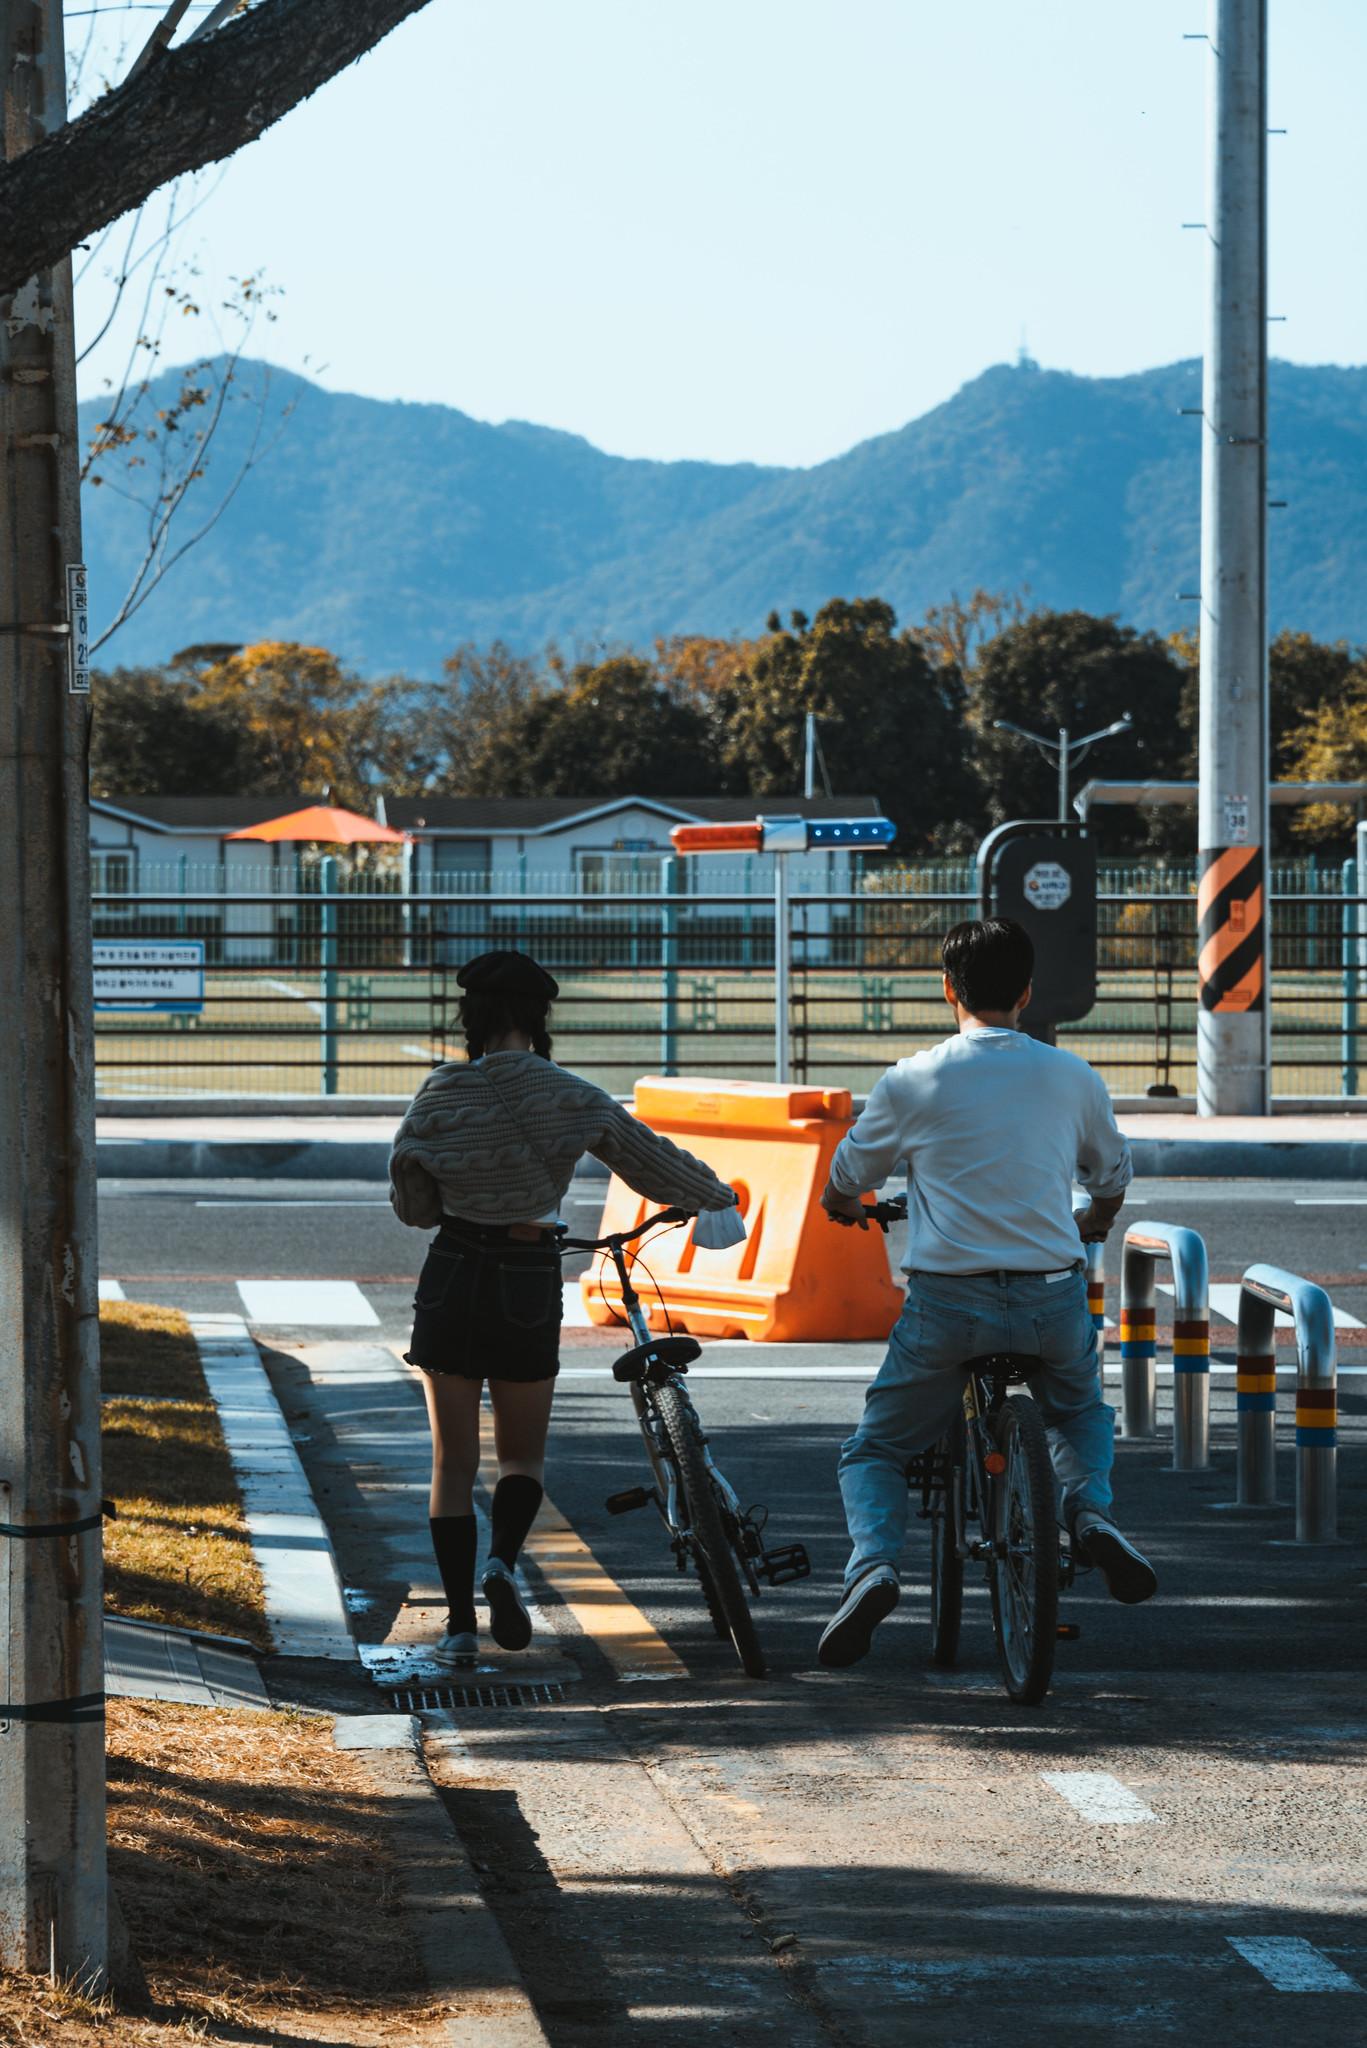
x=1230, y=929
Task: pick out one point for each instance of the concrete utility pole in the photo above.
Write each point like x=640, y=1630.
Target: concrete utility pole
x=52, y=1817
x=1233, y=1069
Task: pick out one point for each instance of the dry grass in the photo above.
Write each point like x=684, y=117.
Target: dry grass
x=252, y=1864
x=177, y=1550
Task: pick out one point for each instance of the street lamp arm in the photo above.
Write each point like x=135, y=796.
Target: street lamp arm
x=1038, y=738
x=1117, y=725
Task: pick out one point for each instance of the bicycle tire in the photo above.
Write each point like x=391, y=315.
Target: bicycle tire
x=946, y=1565
x=716, y=1563
x=1025, y=1564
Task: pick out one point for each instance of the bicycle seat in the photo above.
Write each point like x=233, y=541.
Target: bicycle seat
x=675, y=1354
x=1015, y=1367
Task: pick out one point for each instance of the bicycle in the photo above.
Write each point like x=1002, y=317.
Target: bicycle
x=991, y=1472
x=708, y=1528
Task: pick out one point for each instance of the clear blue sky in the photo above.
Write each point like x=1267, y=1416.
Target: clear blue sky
x=766, y=229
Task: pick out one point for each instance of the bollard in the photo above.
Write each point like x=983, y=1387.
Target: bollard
x=1266, y=1289
x=1096, y=1302
x=1144, y=1245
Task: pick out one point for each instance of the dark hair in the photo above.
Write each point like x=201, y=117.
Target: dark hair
x=989, y=962
x=487, y=1013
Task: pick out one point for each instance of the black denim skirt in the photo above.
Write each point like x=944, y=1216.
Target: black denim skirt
x=487, y=1307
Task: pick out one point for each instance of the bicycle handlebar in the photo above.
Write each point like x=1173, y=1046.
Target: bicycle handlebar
x=621, y=1238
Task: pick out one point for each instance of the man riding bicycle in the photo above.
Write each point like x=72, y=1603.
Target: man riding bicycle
x=993, y=1127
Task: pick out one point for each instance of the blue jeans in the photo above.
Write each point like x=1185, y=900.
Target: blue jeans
x=946, y=1319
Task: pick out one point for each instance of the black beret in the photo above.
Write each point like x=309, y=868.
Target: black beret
x=508, y=974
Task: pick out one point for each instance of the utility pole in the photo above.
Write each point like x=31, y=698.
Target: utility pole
x=1233, y=1073
x=53, y=1902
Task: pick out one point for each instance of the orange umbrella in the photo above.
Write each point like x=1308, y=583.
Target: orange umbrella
x=325, y=822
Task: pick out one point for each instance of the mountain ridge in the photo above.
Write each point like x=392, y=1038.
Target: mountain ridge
x=391, y=531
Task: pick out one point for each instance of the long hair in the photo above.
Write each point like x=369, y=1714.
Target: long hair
x=485, y=1015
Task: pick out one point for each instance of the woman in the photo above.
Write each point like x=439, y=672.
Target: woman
x=487, y=1150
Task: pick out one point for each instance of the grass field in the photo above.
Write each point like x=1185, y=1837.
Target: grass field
x=261, y=1031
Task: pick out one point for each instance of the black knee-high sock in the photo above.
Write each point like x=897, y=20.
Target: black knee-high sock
x=516, y=1500
x=454, y=1542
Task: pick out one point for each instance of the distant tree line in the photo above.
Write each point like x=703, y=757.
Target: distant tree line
x=905, y=714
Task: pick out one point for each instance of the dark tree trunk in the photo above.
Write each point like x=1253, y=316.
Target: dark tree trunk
x=188, y=107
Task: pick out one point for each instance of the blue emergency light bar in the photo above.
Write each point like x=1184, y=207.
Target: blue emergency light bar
x=850, y=832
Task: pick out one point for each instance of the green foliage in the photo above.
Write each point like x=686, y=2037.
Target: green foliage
x=151, y=737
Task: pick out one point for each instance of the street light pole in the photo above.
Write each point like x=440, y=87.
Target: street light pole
x=1071, y=753
x=52, y=1813
x=1063, y=766
x=1232, y=1068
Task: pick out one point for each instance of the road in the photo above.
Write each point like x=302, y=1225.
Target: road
x=1171, y=1845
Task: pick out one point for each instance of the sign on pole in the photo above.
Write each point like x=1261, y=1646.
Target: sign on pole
x=150, y=974
x=78, y=617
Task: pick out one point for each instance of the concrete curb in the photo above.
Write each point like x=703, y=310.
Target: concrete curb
x=1241, y=1159
x=465, y=1958
x=305, y=1610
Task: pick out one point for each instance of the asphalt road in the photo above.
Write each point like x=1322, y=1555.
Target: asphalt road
x=1170, y=1846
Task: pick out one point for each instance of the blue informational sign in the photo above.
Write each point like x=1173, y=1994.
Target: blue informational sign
x=159, y=975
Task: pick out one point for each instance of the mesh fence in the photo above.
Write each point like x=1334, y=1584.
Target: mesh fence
x=351, y=989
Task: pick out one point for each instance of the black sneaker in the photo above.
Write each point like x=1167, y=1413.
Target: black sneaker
x=1128, y=1574
x=849, y=1632
x=510, y=1625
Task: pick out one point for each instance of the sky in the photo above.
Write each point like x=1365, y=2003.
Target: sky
x=758, y=230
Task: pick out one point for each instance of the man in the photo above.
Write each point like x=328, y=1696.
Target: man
x=993, y=1128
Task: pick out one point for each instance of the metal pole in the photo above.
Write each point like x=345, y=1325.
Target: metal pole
x=1063, y=748
x=1255, y=1399
x=1232, y=1049
x=669, y=968
x=327, y=884
x=53, y=1907
x=809, y=755
x=1096, y=1302
x=1349, y=1027
x=1138, y=1373
x=1265, y=1290
x=782, y=957
x=1145, y=1244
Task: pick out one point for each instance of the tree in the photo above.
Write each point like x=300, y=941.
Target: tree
x=1331, y=746
x=1305, y=676
x=302, y=715
x=1069, y=668
x=889, y=721
x=614, y=730
x=175, y=112
x=478, y=721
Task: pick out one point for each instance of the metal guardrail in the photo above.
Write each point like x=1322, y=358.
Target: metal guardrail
x=1266, y=1289
x=1145, y=1246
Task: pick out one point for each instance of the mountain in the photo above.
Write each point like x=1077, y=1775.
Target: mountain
x=392, y=532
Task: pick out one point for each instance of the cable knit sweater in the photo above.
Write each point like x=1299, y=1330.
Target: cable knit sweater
x=497, y=1141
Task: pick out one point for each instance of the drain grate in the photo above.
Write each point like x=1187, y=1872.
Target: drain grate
x=428, y=1699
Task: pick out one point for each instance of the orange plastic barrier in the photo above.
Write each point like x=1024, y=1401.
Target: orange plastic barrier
x=797, y=1276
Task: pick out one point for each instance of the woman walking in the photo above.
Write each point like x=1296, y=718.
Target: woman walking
x=486, y=1151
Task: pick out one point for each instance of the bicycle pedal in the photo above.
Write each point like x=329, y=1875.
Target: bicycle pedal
x=633, y=1497
x=1068, y=1632
x=781, y=1566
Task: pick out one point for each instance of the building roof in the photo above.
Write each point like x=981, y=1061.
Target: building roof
x=216, y=815
x=537, y=814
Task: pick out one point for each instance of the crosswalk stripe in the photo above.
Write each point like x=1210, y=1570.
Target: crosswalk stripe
x=1291, y=1964
x=1099, y=1797
x=334, y=1303
x=112, y=1290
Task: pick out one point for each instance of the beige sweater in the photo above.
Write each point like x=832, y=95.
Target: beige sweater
x=497, y=1141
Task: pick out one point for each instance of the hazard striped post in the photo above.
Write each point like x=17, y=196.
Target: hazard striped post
x=1266, y=1289
x=1096, y=1302
x=1145, y=1247
x=1138, y=1371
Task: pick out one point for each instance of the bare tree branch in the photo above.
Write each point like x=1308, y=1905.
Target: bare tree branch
x=191, y=107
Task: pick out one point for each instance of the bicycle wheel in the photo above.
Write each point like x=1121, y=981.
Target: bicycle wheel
x=722, y=1586
x=946, y=1565
x=1025, y=1552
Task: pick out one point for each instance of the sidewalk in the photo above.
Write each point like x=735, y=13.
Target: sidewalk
x=295, y=1146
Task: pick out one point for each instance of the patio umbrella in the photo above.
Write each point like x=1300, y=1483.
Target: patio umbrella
x=326, y=822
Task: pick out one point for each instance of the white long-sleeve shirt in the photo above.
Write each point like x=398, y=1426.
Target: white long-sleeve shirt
x=993, y=1129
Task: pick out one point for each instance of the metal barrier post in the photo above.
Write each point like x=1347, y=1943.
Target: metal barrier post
x=1265, y=1290
x=782, y=961
x=1350, y=980
x=327, y=886
x=669, y=967
x=1256, y=1402
x=1096, y=1302
x=1144, y=1245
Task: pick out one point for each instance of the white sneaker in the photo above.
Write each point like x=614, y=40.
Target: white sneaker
x=1128, y=1574
x=849, y=1632
x=455, y=1650
x=509, y=1622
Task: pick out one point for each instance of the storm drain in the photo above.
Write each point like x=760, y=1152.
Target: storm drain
x=430, y=1699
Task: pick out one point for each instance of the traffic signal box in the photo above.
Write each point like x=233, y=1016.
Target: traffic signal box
x=1046, y=881
x=797, y=1277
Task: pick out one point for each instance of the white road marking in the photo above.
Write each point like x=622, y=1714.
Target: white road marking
x=112, y=1290
x=285, y=989
x=1331, y=1201
x=1290, y=1964
x=293, y=1202
x=1099, y=1797
x=575, y=1316
x=305, y=1302
x=1224, y=1302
